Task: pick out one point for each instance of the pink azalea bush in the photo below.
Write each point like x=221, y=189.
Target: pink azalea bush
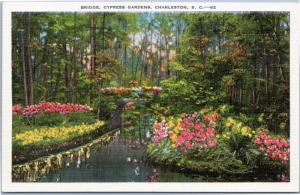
x=275, y=148
x=190, y=132
x=54, y=107
x=161, y=132
x=195, y=134
x=156, y=90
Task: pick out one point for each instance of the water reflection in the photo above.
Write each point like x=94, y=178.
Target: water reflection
x=119, y=161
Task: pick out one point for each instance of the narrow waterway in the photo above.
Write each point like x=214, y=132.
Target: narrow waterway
x=122, y=160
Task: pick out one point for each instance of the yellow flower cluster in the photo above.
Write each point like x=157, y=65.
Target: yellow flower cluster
x=175, y=128
x=171, y=124
x=54, y=133
x=236, y=127
x=173, y=138
x=230, y=122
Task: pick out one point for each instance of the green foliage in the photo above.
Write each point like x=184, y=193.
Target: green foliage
x=177, y=94
x=163, y=152
x=220, y=161
x=105, y=105
x=21, y=124
x=177, y=67
x=75, y=118
x=46, y=120
x=229, y=71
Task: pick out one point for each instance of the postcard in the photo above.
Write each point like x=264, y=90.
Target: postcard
x=150, y=97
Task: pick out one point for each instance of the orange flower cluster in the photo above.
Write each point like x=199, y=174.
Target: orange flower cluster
x=212, y=118
x=154, y=89
x=116, y=90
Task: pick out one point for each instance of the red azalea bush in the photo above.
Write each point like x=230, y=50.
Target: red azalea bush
x=17, y=109
x=54, y=107
x=275, y=148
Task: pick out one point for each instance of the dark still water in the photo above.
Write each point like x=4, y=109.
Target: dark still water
x=122, y=160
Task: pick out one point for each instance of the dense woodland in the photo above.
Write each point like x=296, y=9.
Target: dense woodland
x=200, y=59
x=206, y=94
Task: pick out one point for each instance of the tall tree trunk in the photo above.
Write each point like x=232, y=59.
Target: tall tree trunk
x=267, y=75
x=67, y=77
x=28, y=58
x=67, y=84
x=277, y=60
x=241, y=94
x=125, y=47
x=93, y=42
x=24, y=69
x=255, y=75
x=43, y=69
x=103, y=30
x=93, y=53
x=138, y=61
x=157, y=61
x=167, y=55
x=159, y=76
x=44, y=65
x=57, y=82
x=132, y=57
x=144, y=67
x=145, y=64
x=151, y=57
x=74, y=76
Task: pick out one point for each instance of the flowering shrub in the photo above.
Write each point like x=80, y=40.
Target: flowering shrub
x=54, y=107
x=156, y=90
x=133, y=83
x=128, y=90
x=188, y=132
x=17, y=109
x=196, y=133
x=212, y=118
x=161, y=132
x=190, y=142
x=36, y=136
x=275, y=148
x=236, y=128
x=116, y=90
